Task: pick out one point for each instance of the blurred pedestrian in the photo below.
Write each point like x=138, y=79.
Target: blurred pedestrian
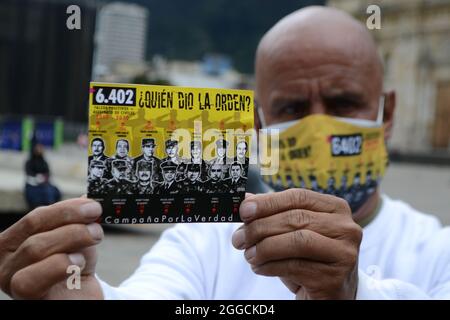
x=38, y=189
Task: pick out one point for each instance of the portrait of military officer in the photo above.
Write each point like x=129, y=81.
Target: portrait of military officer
x=192, y=183
x=169, y=185
x=122, y=149
x=221, y=158
x=119, y=183
x=277, y=184
x=343, y=189
x=95, y=178
x=331, y=188
x=356, y=189
x=301, y=182
x=144, y=175
x=371, y=184
x=236, y=182
x=98, y=150
x=196, y=158
x=215, y=184
x=148, y=150
x=289, y=181
x=314, y=184
x=241, y=156
x=172, y=152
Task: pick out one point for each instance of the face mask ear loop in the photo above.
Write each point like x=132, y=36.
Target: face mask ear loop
x=261, y=118
x=381, y=110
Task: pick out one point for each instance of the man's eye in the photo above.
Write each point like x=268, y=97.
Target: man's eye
x=343, y=106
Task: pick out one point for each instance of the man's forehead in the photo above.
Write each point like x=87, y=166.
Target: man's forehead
x=316, y=38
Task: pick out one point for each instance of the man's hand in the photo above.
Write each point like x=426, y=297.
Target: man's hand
x=36, y=251
x=307, y=239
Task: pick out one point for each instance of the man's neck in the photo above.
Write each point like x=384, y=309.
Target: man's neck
x=369, y=209
x=144, y=183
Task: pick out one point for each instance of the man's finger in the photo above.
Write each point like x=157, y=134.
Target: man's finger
x=288, y=221
x=263, y=205
x=50, y=217
x=303, y=243
x=30, y=282
x=306, y=273
x=69, y=238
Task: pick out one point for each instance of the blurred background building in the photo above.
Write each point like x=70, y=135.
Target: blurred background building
x=120, y=37
x=45, y=68
x=414, y=41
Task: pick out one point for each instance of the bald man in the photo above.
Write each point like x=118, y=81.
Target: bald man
x=296, y=243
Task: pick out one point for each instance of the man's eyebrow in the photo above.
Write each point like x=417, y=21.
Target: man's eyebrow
x=281, y=102
x=345, y=95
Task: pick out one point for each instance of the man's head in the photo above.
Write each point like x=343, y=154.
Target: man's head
x=172, y=148
x=97, y=146
x=122, y=148
x=241, y=149
x=320, y=60
x=221, y=147
x=193, y=171
x=144, y=171
x=119, y=169
x=215, y=171
x=235, y=170
x=196, y=149
x=97, y=168
x=148, y=147
x=169, y=170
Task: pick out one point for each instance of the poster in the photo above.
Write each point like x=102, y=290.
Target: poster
x=165, y=154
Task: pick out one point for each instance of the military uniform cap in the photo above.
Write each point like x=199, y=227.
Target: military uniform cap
x=119, y=164
x=144, y=166
x=171, y=143
x=195, y=167
x=168, y=165
x=97, y=163
x=148, y=141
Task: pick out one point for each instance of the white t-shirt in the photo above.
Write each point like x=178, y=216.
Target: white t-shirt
x=404, y=254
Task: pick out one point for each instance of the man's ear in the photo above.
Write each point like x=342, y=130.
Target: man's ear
x=388, y=116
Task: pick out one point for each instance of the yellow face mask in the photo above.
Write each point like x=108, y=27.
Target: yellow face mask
x=344, y=157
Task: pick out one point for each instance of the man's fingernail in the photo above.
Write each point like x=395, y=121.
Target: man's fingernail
x=77, y=259
x=95, y=231
x=250, y=253
x=92, y=209
x=248, y=210
x=238, y=239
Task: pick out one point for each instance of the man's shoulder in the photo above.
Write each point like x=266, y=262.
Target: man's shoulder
x=410, y=215
x=400, y=224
